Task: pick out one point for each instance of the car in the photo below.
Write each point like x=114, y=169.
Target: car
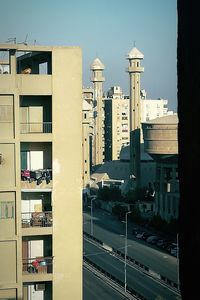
x=146, y=236
x=171, y=246
x=151, y=238
x=139, y=235
x=160, y=242
x=174, y=251
x=165, y=245
x=154, y=241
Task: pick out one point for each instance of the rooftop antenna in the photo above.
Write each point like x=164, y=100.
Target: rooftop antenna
x=10, y=40
x=134, y=43
x=25, y=43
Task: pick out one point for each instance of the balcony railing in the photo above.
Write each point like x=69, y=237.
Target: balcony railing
x=42, y=265
x=45, y=127
x=37, y=219
x=37, y=175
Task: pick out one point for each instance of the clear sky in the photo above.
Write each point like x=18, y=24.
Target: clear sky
x=107, y=29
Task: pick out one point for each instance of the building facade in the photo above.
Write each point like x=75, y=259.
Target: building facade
x=87, y=125
x=161, y=143
x=98, y=110
x=40, y=172
x=117, y=118
x=117, y=129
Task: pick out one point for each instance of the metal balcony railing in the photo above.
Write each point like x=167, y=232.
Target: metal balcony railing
x=45, y=127
x=37, y=219
x=37, y=265
x=37, y=175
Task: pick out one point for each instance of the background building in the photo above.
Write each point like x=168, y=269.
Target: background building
x=117, y=130
x=87, y=125
x=161, y=142
x=117, y=118
x=40, y=172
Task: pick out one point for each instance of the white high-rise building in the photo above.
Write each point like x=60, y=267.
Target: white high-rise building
x=117, y=118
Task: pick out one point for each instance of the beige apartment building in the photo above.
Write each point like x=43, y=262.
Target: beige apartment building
x=40, y=172
x=87, y=125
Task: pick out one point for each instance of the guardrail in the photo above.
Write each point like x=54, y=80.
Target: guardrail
x=34, y=127
x=149, y=271
x=115, y=279
x=37, y=219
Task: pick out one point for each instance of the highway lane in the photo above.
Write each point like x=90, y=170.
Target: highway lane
x=96, y=289
x=143, y=284
x=108, y=229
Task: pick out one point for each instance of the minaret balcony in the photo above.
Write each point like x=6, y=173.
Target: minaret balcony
x=135, y=69
x=97, y=79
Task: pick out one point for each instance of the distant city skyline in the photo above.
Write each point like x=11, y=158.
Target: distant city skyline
x=104, y=29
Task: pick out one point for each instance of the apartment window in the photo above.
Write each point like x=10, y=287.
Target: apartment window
x=4, y=62
x=7, y=210
x=34, y=62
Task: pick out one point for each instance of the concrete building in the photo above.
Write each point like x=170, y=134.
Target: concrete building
x=117, y=130
x=134, y=70
x=87, y=124
x=117, y=118
x=98, y=107
x=40, y=172
x=153, y=108
x=161, y=142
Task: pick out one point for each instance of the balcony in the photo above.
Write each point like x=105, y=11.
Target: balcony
x=37, y=269
x=45, y=127
x=37, y=179
x=37, y=219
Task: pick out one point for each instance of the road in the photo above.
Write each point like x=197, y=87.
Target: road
x=95, y=288
x=111, y=231
x=143, y=284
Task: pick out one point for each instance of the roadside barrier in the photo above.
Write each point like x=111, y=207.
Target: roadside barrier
x=149, y=271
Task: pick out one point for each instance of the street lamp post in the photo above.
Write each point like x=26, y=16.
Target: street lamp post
x=177, y=256
x=91, y=217
x=126, y=219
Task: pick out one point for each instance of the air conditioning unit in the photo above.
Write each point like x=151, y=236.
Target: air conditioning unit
x=39, y=287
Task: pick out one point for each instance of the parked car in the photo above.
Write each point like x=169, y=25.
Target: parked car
x=140, y=235
x=165, y=245
x=151, y=238
x=171, y=246
x=174, y=251
x=160, y=242
x=146, y=236
x=154, y=241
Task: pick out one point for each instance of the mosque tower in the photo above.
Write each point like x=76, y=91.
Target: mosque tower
x=134, y=70
x=98, y=141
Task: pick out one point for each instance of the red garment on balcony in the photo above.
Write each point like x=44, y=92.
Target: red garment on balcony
x=35, y=263
x=26, y=173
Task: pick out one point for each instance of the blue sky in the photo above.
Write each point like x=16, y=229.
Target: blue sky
x=107, y=29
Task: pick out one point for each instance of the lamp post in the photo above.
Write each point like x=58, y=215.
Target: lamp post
x=177, y=256
x=126, y=219
x=91, y=217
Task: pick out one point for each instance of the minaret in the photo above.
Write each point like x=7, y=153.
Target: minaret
x=134, y=70
x=97, y=78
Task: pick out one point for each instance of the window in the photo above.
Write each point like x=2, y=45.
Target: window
x=7, y=210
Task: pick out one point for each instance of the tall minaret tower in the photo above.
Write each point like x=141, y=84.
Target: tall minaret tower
x=98, y=142
x=134, y=70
